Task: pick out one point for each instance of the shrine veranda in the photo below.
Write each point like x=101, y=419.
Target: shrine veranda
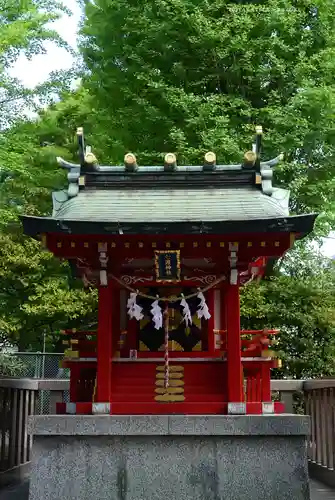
x=168, y=248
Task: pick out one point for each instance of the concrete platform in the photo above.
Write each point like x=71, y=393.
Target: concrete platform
x=21, y=491
x=213, y=457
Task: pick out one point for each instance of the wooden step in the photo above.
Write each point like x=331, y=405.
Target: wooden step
x=159, y=408
x=149, y=397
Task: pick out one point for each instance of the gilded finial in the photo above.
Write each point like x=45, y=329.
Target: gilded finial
x=210, y=161
x=210, y=158
x=170, y=161
x=249, y=159
x=130, y=162
x=90, y=158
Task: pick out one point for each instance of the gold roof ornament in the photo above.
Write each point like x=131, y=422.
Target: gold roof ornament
x=90, y=158
x=210, y=161
x=130, y=162
x=170, y=162
x=210, y=158
x=249, y=159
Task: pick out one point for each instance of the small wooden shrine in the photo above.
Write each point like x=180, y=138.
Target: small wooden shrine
x=168, y=248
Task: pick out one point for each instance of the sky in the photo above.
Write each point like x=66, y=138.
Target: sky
x=38, y=69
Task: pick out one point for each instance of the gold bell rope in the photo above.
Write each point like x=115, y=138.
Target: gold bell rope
x=168, y=299
x=166, y=349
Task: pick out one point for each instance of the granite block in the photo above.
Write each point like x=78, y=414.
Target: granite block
x=143, y=468
x=85, y=425
x=189, y=458
x=105, y=425
x=240, y=425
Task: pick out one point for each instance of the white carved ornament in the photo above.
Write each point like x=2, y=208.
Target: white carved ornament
x=204, y=280
x=133, y=280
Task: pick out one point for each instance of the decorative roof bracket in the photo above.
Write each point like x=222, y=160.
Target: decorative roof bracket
x=89, y=163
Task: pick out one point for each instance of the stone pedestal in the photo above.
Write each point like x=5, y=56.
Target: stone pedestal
x=173, y=457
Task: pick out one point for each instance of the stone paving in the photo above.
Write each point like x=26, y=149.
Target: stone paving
x=20, y=492
x=318, y=492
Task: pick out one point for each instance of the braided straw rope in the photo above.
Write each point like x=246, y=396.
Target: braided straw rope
x=166, y=348
x=168, y=299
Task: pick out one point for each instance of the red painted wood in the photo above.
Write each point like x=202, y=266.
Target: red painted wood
x=116, y=318
x=206, y=408
x=74, y=377
x=266, y=383
x=256, y=408
x=211, y=322
x=84, y=408
x=249, y=389
x=131, y=341
x=143, y=243
x=60, y=408
x=258, y=387
x=235, y=377
x=223, y=308
x=104, y=344
x=191, y=408
x=149, y=238
x=176, y=354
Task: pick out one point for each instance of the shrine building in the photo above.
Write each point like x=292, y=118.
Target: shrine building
x=168, y=248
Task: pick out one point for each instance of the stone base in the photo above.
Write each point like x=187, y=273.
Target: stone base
x=173, y=457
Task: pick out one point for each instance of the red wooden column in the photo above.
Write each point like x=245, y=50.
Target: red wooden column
x=223, y=318
x=74, y=382
x=104, y=344
x=266, y=383
x=116, y=337
x=211, y=335
x=234, y=368
x=132, y=335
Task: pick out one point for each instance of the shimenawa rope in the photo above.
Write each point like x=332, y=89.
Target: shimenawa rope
x=168, y=299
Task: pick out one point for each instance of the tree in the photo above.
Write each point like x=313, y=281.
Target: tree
x=191, y=76
x=35, y=293
x=299, y=299
x=24, y=28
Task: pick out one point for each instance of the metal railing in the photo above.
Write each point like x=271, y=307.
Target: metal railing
x=41, y=364
x=319, y=396
x=17, y=402
x=20, y=398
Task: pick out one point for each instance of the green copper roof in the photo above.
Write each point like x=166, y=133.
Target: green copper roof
x=164, y=205
x=208, y=198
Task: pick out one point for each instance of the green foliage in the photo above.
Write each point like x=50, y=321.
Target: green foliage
x=35, y=294
x=300, y=301
x=192, y=76
x=24, y=28
x=10, y=366
x=188, y=77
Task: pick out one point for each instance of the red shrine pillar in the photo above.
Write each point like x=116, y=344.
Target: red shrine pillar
x=266, y=383
x=104, y=344
x=234, y=362
x=210, y=326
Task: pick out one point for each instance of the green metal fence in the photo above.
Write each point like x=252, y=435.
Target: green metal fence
x=40, y=365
